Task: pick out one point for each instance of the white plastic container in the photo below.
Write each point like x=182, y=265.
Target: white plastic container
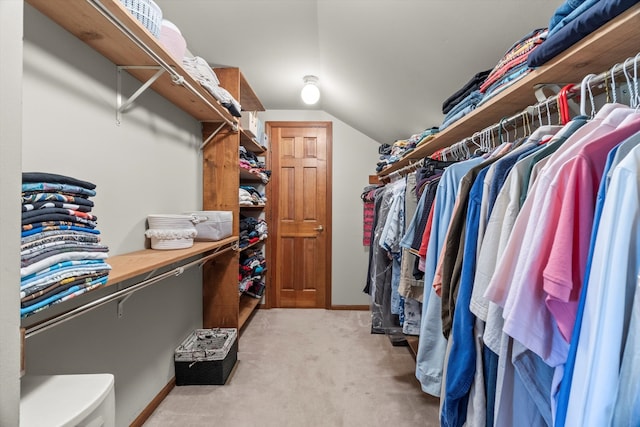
x=171, y=38
x=67, y=400
x=147, y=12
x=213, y=225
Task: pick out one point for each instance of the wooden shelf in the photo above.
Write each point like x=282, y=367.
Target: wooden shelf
x=248, y=98
x=133, y=264
x=124, y=267
x=252, y=245
x=247, y=305
x=251, y=144
x=599, y=51
x=84, y=21
x=245, y=175
x=255, y=207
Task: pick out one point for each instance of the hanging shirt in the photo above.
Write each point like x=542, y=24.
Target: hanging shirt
x=432, y=345
x=565, y=372
x=461, y=362
x=609, y=298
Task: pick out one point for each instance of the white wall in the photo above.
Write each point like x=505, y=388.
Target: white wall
x=10, y=135
x=354, y=159
x=149, y=164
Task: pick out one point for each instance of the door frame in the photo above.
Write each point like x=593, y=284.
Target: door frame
x=272, y=206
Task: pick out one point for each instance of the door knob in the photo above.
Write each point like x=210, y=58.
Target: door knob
x=319, y=228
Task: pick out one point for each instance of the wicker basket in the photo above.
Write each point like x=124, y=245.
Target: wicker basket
x=147, y=12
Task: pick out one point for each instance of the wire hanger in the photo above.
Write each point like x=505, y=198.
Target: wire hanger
x=613, y=83
x=539, y=115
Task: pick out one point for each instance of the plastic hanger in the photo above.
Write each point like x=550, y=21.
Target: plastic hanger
x=630, y=88
x=563, y=104
x=583, y=93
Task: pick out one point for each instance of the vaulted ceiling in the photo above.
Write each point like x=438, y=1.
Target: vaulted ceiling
x=384, y=66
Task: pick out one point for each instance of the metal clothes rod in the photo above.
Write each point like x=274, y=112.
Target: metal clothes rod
x=43, y=326
x=175, y=76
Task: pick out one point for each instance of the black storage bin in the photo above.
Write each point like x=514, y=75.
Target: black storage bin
x=206, y=357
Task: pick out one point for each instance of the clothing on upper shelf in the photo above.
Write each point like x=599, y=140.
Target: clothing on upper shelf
x=472, y=85
x=202, y=72
x=249, y=161
x=513, y=65
x=61, y=255
x=584, y=20
x=401, y=147
x=509, y=69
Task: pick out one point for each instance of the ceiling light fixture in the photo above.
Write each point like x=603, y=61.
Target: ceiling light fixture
x=310, y=93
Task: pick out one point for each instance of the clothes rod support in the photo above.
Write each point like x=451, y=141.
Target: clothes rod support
x=210, y=137
x=121, y=294
x=176, y=77
x=121, y=106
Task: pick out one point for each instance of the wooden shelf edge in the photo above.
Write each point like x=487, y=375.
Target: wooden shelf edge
x=252, y=245
x=413, y=344
x=249, y=100
x=613, y=42
x=250, y=143
x=249, y=176
x=247, y=305
x=129, y=265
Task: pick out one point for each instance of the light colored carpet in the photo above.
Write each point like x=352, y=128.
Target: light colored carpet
x=308, y=368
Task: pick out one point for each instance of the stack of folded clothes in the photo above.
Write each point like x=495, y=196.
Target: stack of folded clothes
x=252, y=268
x=250, y=196
x=61, y=255
x=202, y=72
x=464, y=100
x=513, y=65
x=252, y=230
x=250, y=162
x=573, y=21
x=390, y=154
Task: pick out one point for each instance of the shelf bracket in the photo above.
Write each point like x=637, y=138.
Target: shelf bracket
x=210, y=137
x=151, y=277
x=122, y=106
x=121, y=305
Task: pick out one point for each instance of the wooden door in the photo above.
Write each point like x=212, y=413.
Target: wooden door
x=300, y=194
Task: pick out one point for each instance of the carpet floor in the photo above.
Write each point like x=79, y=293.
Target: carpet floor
x=311, y=368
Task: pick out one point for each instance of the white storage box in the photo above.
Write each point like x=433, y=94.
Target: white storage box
x=169, y=231
x=249, y=122
x=213, y=225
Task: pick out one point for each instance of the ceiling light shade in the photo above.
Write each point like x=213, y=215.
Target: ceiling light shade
x=310, y=93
